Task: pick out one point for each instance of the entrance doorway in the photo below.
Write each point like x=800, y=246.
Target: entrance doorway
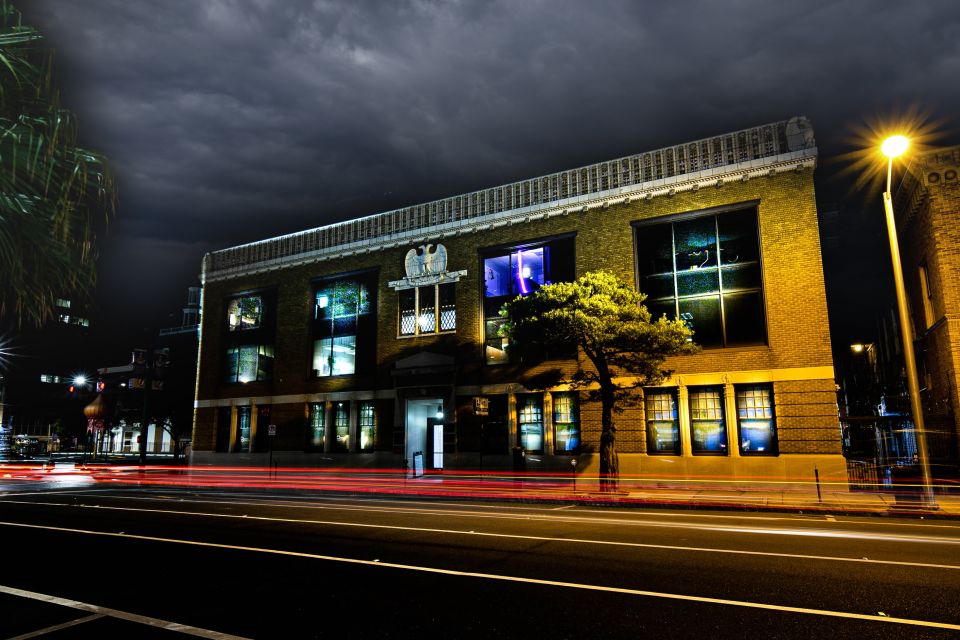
x=422, y=427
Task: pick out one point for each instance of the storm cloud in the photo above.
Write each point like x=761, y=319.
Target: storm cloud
x=231, y=120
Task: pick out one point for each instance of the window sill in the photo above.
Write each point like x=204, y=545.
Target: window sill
x=431, y=334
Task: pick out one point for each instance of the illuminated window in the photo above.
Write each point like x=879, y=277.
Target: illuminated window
x=530, y=422
x=431, y=309
x=566, y=422
x=249, y=362
x=708, y=431
x=318, y=424
x=243, y=429
x=706, y=271
x=663, y=427
x=368, y=425
x=342, y=312
x=520, y=271
x=341, y=425
x=758, y=431
x=244, y=312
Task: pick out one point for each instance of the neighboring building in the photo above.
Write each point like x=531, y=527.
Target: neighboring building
x=928, y=216
x=366, y=342
x=172, y=364
x=45, y=386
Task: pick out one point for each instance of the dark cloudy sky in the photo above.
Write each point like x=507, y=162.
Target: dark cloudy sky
x=231, y=120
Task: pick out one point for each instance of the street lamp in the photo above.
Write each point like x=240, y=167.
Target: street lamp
x=893, y=147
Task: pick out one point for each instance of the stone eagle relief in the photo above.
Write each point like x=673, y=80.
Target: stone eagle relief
x=426, y=260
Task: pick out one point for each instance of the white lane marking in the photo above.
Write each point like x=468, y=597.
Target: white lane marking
x=504, y=578
x=58, y=627
x=803, y=532
x=512, y=536
x=113, y=613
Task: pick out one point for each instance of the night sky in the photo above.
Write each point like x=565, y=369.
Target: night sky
x=228, y=121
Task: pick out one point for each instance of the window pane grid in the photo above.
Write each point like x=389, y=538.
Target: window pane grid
x=663, y=427
x=317, y=424
x=430, y=309
x=530, y=419
x=566, y=422
x=754, y=402
x=368, y=425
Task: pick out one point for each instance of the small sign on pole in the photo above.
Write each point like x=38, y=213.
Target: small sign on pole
x=272, y=430
x=481, y=406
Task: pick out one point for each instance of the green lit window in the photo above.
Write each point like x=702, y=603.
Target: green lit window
x=317, y=428
x=706, y=271
x=566, y=422
x=249, y=362
x=341, y=425
x=341, y=307
x=244, y=312
x=242, y=443
x=368, y=425
x=663, y=426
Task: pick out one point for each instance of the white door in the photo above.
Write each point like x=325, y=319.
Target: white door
x=438, y=446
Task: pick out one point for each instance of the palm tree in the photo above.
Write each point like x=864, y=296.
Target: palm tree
x=54, y=195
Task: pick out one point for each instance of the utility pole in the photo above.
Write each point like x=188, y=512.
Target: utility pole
x=153, y=363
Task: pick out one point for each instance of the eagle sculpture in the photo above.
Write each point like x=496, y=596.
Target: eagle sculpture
x=427, y=259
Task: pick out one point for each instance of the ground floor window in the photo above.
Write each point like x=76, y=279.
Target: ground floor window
x=368, y=425
x=317, y=418
x=758, y=432
x=708, y=430
x=663, y=425
x=530, y=422
x=566, y=422
x=244, y=425
x=341, y=425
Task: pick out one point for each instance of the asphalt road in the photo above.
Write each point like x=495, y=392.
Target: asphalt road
x=109, y=563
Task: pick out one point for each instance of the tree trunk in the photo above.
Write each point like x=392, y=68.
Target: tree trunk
x=609, y=462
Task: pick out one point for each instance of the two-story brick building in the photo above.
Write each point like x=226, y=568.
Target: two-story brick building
x=367, y=341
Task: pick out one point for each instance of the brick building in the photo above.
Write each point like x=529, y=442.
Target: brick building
x=928, y=216
x=367, y=341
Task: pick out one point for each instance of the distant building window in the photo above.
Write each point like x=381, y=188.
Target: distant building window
x=663, y=426
x=341, y=425
x=63, y=303
x=758, y=431
x=566, y=422
x=706, y=271
x=368, y=425
x=74, y=320
x=520, y=271
x=244, y=312
x=340, y=308
x=708, y=430
x=248, y=363
x=50, y=379
x=530, y=422
x=431, y=309
x=318, y=421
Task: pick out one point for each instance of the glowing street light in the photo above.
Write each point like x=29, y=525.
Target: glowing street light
x=893, y=147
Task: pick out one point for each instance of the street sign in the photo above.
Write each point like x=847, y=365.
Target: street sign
x=481, y=406
x=272, y=430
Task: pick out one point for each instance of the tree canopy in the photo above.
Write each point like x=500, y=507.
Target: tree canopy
x=54, y=195
x=624, y=347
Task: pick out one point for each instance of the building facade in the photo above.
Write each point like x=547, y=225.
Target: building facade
x=367, y=342
x=928, y=220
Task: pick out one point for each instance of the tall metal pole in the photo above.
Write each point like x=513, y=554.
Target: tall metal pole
x=913, y=386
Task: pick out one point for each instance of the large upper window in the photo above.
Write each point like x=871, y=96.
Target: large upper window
x=520, y=271
x=430, y=309
x=758, y=432
x=706, y=271
x=244, y=312
x=343, y=313
x=249, y=362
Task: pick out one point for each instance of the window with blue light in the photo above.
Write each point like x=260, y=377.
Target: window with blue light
x=755, y=417
x=530, y=422
x=663, y=425
x=708, y=429
x=566, y=423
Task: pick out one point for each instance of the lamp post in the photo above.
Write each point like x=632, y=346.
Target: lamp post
x=893, y=147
